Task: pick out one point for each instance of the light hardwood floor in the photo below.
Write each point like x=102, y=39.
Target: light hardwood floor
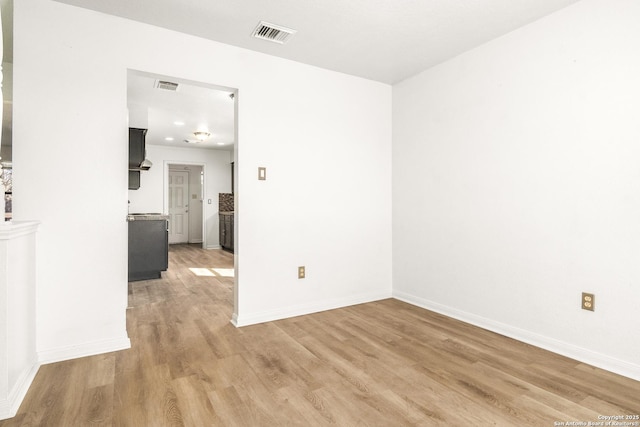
x=385, y=363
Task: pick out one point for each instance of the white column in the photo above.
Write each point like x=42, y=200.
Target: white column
x=2, y=203
x=1, y=61
x=18, y=357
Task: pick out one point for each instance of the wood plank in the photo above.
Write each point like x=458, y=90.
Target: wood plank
x=382, y=363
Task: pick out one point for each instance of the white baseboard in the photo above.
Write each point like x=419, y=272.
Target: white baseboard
x=195, y=241
x=284, y=313
x=83, y=350
x=214, y=247
x=234, y=319
x=9, y=406
x=590, y=357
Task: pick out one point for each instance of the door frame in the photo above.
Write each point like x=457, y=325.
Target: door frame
x=165, y=191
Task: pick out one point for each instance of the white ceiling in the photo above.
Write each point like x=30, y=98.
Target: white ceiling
x=198, y=107
x=382, y=40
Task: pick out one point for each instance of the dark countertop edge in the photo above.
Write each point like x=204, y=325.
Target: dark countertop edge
x=226, y=212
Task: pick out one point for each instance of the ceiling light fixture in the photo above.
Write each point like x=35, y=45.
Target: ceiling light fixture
x=168, y=138
x=178, y=123
x=201, y=136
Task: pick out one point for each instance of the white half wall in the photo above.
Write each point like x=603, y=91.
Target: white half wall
x=150, y=197
x=18, y=357
x=516, y=184
x=330, y=212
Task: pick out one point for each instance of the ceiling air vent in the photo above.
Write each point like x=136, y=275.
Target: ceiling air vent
x=273, y=33
x=163, y=84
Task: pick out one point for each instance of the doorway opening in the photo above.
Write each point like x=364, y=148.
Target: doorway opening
x=191, y=146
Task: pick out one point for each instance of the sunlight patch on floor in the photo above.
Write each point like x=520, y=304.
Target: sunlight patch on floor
x=224, y=272
x=212, y=272
x=201, y=271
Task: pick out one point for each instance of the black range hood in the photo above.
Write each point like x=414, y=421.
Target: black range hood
x=144, y=166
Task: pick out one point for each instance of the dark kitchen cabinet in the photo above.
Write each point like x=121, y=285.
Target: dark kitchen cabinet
x=134, y=180
x=226, y=231
x=136, y=147
x=148, y=248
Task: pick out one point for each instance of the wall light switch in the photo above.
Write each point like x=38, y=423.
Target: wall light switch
x=262, y=173
x=301, y=272
x=209, y=201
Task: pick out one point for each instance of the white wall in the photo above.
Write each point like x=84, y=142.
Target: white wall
x=150, y=197
x=330, y=213
x=516, y=184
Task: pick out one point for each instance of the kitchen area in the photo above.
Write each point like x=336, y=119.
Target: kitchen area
x=181, y=142
x=148, y=232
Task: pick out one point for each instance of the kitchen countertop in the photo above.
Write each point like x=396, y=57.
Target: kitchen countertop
x=226, y=212
x=147, y=217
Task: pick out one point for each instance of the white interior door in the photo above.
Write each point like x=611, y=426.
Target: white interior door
x=178, y=206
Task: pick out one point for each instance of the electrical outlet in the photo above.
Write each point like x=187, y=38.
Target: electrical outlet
x=301, y=272
x=588, y=301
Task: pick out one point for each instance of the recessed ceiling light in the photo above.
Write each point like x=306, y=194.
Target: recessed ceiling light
x=168, y=138
x=178, y=123
x=220, y=143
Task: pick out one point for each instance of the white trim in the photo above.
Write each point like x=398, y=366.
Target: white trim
x=279, y=314
x=9, y=406
x=83, y=350
x=580, y=354
x=234, y=320
x=12, y=229
x=214, y=247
